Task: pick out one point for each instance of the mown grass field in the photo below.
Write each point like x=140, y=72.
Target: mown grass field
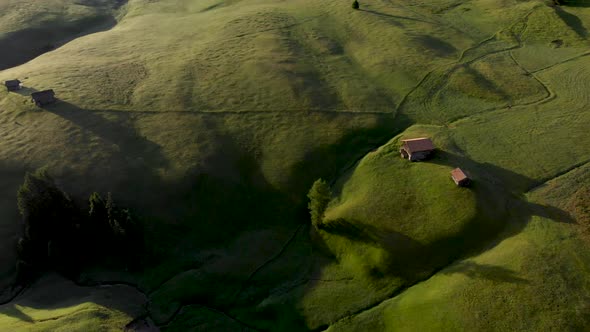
x=212, y=119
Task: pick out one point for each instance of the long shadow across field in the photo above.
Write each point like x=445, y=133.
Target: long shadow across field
x=132, y=163
x=113, y=127
x=576, y=3
x=259, y=207
x=30, y=43
x=203, y=210
x=26, y=91
x=199, y=210
x=52, y=292
x=573, y=21
x=396, y=17
x=27, y=44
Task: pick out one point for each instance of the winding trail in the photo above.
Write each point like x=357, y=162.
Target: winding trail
x=562, y=62
x=558, y=175
x=266, y=263
x=242, y=286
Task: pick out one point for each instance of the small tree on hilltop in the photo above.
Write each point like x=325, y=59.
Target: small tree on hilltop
x=319, y=196
x=355, y=5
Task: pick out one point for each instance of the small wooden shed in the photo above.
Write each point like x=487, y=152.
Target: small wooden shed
x=44, y=97
x=461, y=179
x=416, y=149
x=12, y=85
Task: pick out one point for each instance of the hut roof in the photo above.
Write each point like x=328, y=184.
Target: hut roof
x=12, y=83
x=458, y=175
x=43, y=95
x=418, y=144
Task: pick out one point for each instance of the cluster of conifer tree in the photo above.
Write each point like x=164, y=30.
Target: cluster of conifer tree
x=61, y=236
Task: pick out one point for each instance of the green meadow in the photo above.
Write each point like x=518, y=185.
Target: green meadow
x=211, y=120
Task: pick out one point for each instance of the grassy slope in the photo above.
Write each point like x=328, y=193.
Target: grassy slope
x=27, y=28
x=534, y=278
x=214, y=118
x=30, y=28
x=55, y=304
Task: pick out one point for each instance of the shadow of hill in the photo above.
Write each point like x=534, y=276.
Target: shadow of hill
x=334, y=160
x=205, y=208
x=27, y=44
x=218, y=209
x=438, y=46
x=54, y=293
x=15, y=312
x=575, y=3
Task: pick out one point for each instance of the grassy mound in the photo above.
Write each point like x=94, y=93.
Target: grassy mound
x=412, y=206
x=534, y=278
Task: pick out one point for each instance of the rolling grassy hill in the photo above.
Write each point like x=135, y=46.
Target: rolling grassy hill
x=211, y=119
x=30, y=28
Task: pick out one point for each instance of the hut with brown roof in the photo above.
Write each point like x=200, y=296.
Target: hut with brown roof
x=461, y=179
x=416, y=149
x=12, y=85
x=44, y=97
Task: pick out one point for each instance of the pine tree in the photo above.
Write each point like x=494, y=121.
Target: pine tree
x=319, y=196
x=48, y=217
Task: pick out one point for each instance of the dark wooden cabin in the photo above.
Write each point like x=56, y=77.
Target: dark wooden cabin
x=416, y=149
x=461, y=179
x=42, y=98
x=12, y=85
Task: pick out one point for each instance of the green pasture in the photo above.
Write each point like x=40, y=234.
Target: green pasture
x=212, y=119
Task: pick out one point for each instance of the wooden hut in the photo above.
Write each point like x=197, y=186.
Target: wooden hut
x=12, y=85
x=416, y=149
x=42, y=98
x=461, y=179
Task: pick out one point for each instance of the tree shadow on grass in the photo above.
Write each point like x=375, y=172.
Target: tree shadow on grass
x=485, y=271
x=487, y=84
x=333, y=161
x=574, y=22
x=13, y=311
x=440, y=47
x=396, y=17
